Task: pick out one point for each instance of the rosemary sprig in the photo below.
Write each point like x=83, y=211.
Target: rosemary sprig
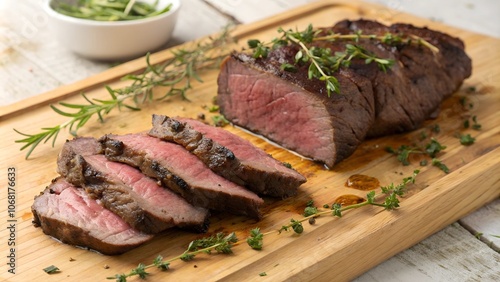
x=219, y=242
x=322, y=64
x=391, y=193
x=176, y=74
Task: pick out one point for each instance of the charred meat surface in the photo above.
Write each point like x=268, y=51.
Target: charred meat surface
x=217, y=157
x=70, y=215
x=413, y=89
x=230, y=156
x=182, y=172
x=296, y=112
x=85, y=146
x=124, y=190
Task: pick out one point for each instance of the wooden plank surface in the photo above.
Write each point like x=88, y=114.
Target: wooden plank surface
x=475, y=165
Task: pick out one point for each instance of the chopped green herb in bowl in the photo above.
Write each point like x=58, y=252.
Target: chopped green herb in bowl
x=112, y=30
x=109, y=10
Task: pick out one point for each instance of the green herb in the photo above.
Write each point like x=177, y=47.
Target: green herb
x=337, y=208
x=310, y=211
x=288, y=67
x=220, y=121
x=262, y=274
x=160, y=264
x=465, y=103
x=475, y=124
x=287, y=165
x=219, y=242
x=433, y=148
x=110, y=10
x=466, y=139
x=51, y=269
x=213, y=108
x=403, y=153
x=470, y=89
x=466, y=123
x=440, y=165
x=435, y=128
x=322, y=63
x=176, y=74
x=296, y=226
x=255, y=241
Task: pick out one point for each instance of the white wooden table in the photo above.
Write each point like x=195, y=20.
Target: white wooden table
x=32, y=62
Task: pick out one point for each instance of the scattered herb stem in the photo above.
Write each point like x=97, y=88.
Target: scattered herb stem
x=391, y=194
x=388, y=38
x=219, y=242
x=175, y=74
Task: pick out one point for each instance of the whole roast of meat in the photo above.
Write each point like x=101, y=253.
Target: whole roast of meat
x=296, y=112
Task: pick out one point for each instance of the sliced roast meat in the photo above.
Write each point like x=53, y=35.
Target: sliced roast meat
x=182, y=172
x=230, y=155
x=124, y=190
x=296, y=112
x=70, y=215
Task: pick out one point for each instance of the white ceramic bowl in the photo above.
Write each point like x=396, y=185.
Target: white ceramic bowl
x=113, y=41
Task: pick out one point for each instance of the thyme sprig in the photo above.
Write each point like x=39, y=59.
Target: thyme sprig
x=322, y=63
x=176, y=74
x=387, y=38
x=220, y=242
x=391, y=199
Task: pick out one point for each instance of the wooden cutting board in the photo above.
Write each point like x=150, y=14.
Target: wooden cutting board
x=333, y=248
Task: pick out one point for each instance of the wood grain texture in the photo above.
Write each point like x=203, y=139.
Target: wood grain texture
x=362, y=238
x=427, y=261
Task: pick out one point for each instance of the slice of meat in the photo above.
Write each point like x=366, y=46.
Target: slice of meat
x=230, y=156
x=70, y=215
x=182, y=172
x=124, y=190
